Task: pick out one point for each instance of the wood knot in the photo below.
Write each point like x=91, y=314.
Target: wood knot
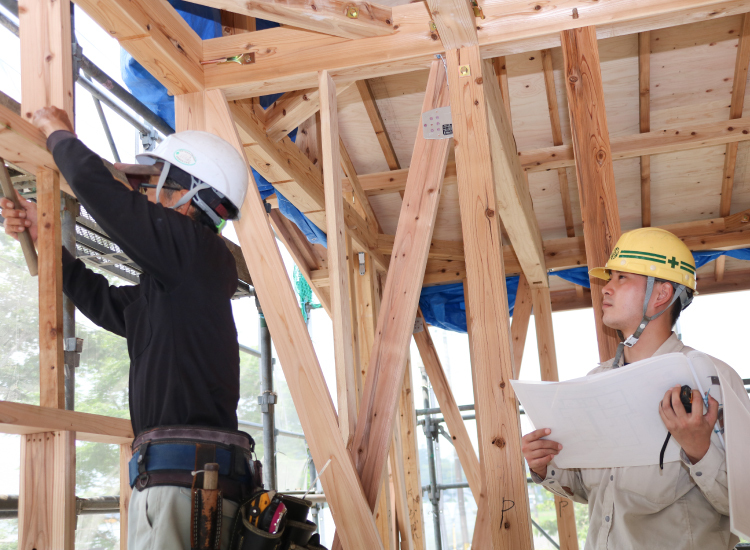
x=507, y=525
x=502, y=384
x=498, y=442
x=573, y=79
x=731, y=129
x=537, y=7
x=601, y=155
x=49, y=57
x=476, y=102
x=387, y=21
x=433, y=36
x=479, y=80
x=489, y=212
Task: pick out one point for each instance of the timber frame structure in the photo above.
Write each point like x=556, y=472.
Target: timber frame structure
x=527, y=84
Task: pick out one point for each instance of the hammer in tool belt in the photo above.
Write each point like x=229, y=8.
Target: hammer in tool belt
x=205, y=521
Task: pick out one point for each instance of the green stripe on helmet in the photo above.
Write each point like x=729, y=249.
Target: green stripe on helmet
x=643, y=253
x=642, y=258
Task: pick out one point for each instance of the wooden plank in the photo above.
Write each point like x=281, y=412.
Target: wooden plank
x=554, y=116
x=501, y=72
x=307, y=386
x=545, y=337
x=371, y=106
x=126, y=453
x=519, y=328
x=735, y=111
x=400, y=297
x=514, y=203
x=46, y=506
x=46, y=58
x=399, y=498
x=357, y=191
x=693, y=136
x=289, y=59
x=410, y=456
x=304, y=185
x=439, y=250
x=292, y=109
x=51, y=360
x=596, y=178
x=19, y=418
x=156, y=36
x=347, y=19
x=338, y=268
x=501, y=465
x=23, y=144
x=455, y=22
x=644, y=107
x=353, y=272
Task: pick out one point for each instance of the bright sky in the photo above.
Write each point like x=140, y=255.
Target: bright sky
x=714, y=324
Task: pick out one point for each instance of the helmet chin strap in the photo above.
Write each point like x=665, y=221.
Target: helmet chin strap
x=630, y=341
x=162, y=179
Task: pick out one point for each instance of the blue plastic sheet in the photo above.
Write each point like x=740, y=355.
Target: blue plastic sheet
x=206, y=22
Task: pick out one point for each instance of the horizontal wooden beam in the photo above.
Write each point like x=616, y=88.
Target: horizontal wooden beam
x=289, y=59
x=19, y=418
x=650, y=143
x=344, y=18
x=23, y=144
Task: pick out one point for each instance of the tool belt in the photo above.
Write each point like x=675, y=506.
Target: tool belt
x=169, y=456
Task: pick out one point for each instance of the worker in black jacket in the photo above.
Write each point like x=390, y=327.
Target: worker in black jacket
x=182, y=340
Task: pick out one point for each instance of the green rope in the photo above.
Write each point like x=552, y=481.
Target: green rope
x=304, y=293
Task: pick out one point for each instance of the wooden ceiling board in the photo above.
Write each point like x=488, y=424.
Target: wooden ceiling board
x=545, y=195
x=741, y=191
x=619, y=62
x=358, y=135
x=528, y=101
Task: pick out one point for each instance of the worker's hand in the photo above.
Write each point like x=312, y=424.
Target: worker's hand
x=692, y=431
x=17, y=221
x=539, y=452
x=50, y=119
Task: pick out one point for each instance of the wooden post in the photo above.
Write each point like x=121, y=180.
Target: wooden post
x=593, y=158
x=338, y=268
x=410, y=457
x=502, y=468
x=644, y=105
x=400, y=297
x=351, y=513
x=519, y=328
x=566, y=519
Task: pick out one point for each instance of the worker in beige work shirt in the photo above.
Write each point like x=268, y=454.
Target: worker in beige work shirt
x=651, y=279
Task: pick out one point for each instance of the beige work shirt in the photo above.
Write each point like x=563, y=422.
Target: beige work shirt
x=683, y=507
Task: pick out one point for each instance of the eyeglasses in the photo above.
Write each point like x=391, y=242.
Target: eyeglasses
x=144, y=187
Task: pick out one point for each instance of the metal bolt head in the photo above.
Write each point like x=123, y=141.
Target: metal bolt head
x=464, y=70
x=246, y=59
x=746, y=218
x=352, y=12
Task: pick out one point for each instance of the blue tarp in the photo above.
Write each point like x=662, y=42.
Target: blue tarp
x=206, y=22
x=444, y=307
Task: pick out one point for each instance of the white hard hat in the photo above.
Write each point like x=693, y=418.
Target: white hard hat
x=208, y=158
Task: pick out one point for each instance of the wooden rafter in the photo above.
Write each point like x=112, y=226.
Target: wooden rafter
x=455, y=22
x=644, y=109
x=288, y=59
x=554, y=117
x=347, y=19
x=519, y=328
x=487, y=302
x=410, y=456
x=735, y=111
x=357, y=191
x=400, y=296
x=341, y=315
x=373, y=112
x=593, y=156
x=501, y=72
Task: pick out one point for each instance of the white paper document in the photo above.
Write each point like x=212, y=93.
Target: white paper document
x=611, y=419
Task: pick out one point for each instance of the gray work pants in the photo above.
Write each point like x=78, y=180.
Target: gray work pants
x=159, y=519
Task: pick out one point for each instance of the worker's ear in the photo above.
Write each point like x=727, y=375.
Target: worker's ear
x=185, y=207
x=663, y=293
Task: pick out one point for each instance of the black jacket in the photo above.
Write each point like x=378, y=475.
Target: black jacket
x=182, y=340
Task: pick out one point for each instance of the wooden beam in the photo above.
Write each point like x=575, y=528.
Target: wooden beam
x=371, y=106
x=545, y=337
x=644, y=107
x=356, y=19
x=292, y=109
x=455, y=22
x=410, y=456
x=51, y=360
x=596, y=178
x=501, y=72
x=234, y=23
x=304, y=182
x=514, y=203
x=519, y=328
x=400, y=297
x=156, y=36
x=341, y=315
x=46, y=505
x=399, y=498
x=487, y=305
x=735, y=111
x=289, y=59
x=126, y=453
x=554, y=117
x=306, y=383
x=361, y=198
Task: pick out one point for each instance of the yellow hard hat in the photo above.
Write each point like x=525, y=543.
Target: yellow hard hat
x=651, y=252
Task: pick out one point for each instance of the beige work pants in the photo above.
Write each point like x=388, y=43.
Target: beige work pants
x=159, y=519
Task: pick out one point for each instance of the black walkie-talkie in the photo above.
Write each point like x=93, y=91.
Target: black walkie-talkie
x=686, y=398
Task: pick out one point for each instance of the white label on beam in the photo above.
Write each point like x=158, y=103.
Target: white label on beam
x=437, y=124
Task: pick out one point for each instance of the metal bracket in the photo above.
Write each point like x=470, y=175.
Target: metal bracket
x=72, y=347
x=464, y=70
x=361, y=257
x=418, y=325
x=267, y=399
x=477, y=9
x=241, y=59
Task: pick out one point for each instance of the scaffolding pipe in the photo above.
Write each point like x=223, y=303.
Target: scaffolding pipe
x=94, y=91
x=107, y=132
x=433, y=487
x=267, y=402
x=68, y=214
